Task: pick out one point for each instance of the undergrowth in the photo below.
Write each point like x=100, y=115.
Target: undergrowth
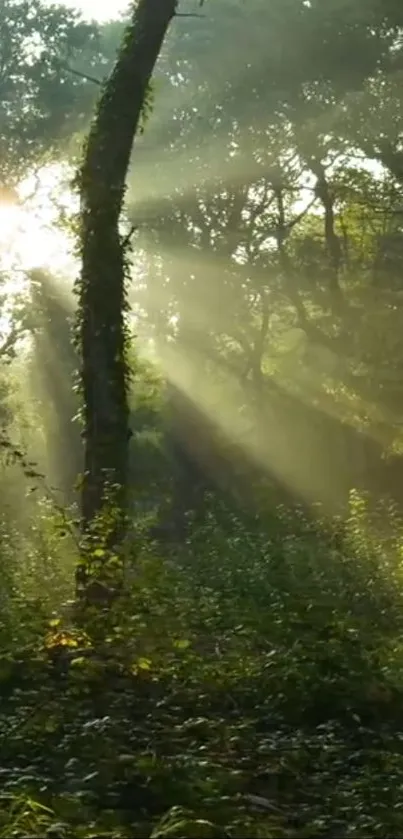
x=250, y=684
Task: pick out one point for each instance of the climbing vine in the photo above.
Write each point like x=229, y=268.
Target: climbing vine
x=101, y=328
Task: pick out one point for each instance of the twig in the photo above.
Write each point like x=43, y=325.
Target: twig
x=129, y=235
x=81, y=75
x=30, y=471
x=264, y=803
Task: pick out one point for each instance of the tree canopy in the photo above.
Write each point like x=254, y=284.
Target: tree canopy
x=41, y=98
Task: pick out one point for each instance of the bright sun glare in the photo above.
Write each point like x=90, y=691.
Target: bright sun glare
x=29, y=233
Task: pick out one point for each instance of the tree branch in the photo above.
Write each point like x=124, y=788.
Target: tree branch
x=86, y=76
x=8, y=343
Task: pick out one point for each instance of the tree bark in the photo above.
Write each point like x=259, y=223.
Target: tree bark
x=332, y=242
x=101, y=328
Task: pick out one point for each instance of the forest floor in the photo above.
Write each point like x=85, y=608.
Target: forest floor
x=250, y=685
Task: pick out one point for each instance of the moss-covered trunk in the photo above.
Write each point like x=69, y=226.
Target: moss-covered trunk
x=101, y=288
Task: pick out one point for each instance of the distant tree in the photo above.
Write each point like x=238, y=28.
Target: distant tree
x=40, y=97
x=270, y=287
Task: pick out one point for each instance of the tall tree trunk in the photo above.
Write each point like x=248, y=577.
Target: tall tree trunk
x=332, y=242
x=101, y=289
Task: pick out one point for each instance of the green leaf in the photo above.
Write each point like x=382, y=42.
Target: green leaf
x=181, y=644
x=54, y=623
x=78, y=662
x=144, y=663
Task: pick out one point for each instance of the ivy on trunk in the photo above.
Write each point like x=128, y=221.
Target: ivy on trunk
x=101, y=326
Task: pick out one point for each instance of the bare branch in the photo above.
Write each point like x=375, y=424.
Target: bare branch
x=300, y=215
x=88, y=78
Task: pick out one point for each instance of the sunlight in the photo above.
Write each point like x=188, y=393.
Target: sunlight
x=94, y=10
x=31, y=235
x=300, y=408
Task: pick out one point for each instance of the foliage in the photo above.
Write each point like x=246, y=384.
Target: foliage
x=39, y=46
x=250, y=686
x=248, y=679
x=273, y=251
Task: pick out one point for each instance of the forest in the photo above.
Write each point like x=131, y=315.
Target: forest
x=201, y=420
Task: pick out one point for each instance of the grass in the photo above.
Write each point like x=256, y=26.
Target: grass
x=249, y=685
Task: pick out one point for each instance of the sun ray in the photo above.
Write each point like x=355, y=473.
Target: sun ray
x=304, y=434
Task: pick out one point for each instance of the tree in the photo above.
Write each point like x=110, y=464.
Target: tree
x=232, y=260
x=101, y=289
x=40, y=98
x=41, y=101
